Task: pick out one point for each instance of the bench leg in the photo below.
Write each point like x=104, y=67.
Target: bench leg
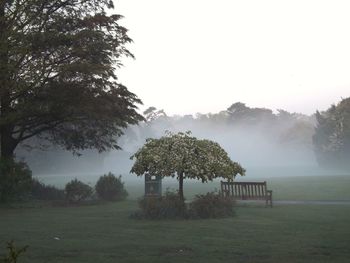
x=269, y=198
x=268, y=202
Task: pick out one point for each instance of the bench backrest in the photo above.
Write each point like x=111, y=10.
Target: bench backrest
x=244, y=190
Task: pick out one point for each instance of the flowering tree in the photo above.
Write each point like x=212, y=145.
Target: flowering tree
x=184, y=156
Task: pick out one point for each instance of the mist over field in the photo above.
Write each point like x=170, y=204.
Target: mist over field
x=266, y=143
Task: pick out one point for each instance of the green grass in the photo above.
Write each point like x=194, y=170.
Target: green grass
x=284, y=188
x=104, y=233
x=311, y=188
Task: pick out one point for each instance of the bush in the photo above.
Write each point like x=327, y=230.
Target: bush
x=77, y=191
x=168, y=206
x=13, y=253
x=109, y=187
x=41, y=191
x=211, y=205
x=15, y=180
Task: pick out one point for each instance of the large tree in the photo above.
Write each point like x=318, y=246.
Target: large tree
x=184, y=156
x=332, y=136
x=57, y=74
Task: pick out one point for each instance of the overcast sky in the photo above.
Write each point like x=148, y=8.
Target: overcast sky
x=203, y=55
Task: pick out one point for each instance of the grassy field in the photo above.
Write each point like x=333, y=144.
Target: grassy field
x=311, y=188
x=104, y=233
x=333, y=187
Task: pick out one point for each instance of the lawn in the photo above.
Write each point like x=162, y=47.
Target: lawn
x=313, y=187
x=104, y=233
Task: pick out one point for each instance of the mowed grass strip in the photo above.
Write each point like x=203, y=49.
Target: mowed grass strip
x=105, y=233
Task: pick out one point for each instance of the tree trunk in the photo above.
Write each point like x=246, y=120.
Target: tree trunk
x=7, y=142
x=181, y=186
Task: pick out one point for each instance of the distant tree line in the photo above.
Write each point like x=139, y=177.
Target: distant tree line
x=238, y=120
x=324, y=135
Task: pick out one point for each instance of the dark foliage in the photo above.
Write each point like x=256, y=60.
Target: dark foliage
x=13, y=253
x=40, y=191
x=111, y=188
x=15, y=180
x=58, y=62
x=211, y=205
x=76, y=191
x=332, y=136
x=169, y=206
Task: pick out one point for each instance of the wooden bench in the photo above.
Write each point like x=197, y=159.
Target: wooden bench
x=247, y=191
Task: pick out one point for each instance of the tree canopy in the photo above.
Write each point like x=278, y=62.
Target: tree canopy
x=184, y=156
x=58, y=61
x=332, y=136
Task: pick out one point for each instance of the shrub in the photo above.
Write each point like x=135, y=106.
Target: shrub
x=166, y=207
x=15, y=180
x=170, y=206
x=211, y=205
x=77, y=191
x=41, y=191
x=13, y=253
x=109, y=187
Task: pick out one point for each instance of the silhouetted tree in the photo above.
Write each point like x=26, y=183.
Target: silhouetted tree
x=57, y=74
x=239, y=112
x=152, y=114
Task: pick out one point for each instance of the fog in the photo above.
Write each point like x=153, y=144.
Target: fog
x=266, y=143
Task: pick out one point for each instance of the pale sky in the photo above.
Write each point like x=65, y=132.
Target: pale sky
x=203, y=55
